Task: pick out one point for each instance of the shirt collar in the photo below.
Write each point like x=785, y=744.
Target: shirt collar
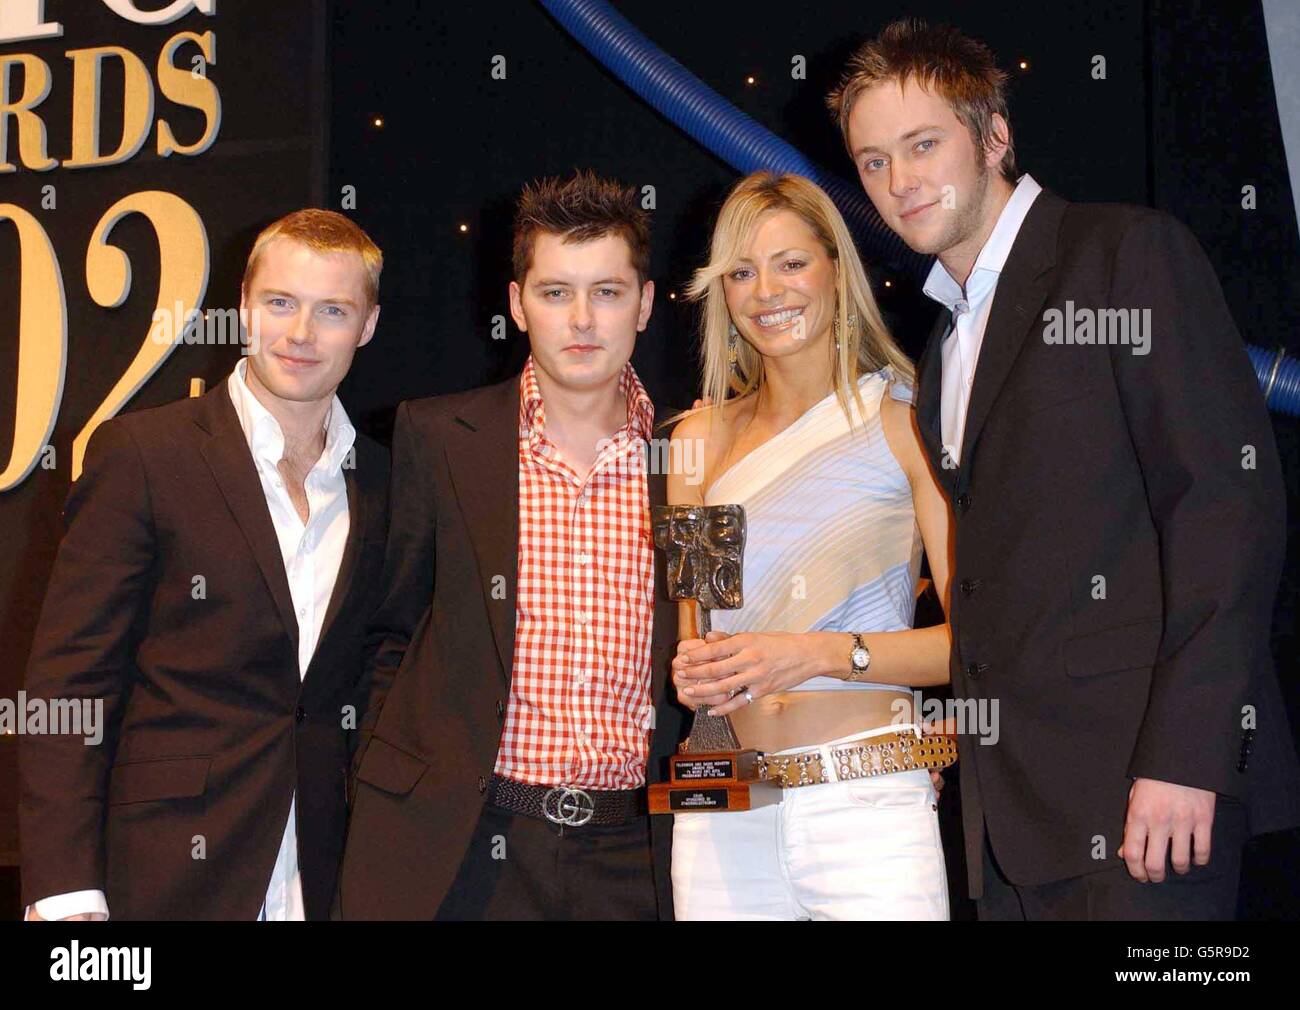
x=941, y=286
x=532, y=411
x=265, y=437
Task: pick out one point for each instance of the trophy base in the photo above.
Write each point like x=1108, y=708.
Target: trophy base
x=712, y=781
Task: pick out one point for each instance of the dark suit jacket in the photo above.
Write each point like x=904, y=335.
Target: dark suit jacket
x=210, y=729
x=444, y=650
x=1083, y=463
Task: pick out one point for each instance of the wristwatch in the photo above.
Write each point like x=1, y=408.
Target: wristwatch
x=859, y=658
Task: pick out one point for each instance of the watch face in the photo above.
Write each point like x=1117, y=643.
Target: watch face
x=860, y=658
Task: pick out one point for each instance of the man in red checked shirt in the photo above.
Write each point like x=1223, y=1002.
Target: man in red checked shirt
x=520, y=656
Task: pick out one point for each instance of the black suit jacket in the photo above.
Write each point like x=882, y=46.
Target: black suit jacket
x=1119, y=528
x=444, y=650
x=179, y=813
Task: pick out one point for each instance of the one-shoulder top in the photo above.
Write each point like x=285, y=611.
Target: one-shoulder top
x=832, y=541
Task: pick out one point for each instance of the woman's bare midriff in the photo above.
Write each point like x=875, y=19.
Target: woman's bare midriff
x=808, y=718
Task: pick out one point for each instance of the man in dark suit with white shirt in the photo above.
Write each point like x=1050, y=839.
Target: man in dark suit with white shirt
x=1087, y=403
x=211, y=591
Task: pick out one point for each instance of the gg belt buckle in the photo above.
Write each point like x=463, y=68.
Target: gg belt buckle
x=571, y=806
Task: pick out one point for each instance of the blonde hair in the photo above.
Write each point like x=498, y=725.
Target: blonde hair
x=864, y=343
x=323, y=231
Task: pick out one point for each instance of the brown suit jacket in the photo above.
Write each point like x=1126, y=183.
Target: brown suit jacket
x=443, y=649
x=180, y=812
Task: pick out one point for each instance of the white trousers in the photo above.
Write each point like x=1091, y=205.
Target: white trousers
x=861, y=849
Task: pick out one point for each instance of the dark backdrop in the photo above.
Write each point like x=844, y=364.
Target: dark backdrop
x=1183, y=120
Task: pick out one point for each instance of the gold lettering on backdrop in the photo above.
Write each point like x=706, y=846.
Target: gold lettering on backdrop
x=184, y=260
x=137, y=106
x=195, y=92
x=42, y=345
x=31, y=128
x=24, y=20
x=176, y=9
x=182, y=85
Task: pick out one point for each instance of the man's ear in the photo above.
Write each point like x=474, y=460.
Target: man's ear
x=999, y=140
x=368, y=330
x=517, y=307
x=245, y=321
x=647, y=303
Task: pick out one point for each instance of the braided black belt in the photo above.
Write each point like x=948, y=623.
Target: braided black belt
x=568, y=805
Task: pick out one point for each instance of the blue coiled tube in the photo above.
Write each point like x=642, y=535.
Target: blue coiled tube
x=706, y=116
x=1284, y=397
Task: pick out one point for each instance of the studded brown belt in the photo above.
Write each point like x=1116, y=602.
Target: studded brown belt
x=860, y=758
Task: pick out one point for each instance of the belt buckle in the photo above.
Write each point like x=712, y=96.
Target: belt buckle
x=573, y=807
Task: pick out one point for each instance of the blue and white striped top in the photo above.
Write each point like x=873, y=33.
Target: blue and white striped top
x=832, y=542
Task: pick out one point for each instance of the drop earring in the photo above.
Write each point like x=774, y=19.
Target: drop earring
x=732, y=333
x=835, y=326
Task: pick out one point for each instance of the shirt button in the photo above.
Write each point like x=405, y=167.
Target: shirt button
x=584, y=558
x=302, y=611
x=299, y=714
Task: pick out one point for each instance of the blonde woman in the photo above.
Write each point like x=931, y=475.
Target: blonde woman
x=810, y=429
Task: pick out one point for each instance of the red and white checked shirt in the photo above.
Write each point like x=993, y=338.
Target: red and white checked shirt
x=579, y=711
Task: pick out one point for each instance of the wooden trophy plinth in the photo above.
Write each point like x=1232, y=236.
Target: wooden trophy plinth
x=708, y=781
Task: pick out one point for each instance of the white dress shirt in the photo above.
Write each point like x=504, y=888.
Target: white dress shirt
x=312, y=553
x=970, y=309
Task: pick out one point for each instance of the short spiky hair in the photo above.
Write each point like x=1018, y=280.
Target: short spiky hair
x=324, y=231
x=940, y=59
x=580, y=208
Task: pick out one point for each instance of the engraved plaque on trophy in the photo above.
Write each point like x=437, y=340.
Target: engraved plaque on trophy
x=704, y=546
